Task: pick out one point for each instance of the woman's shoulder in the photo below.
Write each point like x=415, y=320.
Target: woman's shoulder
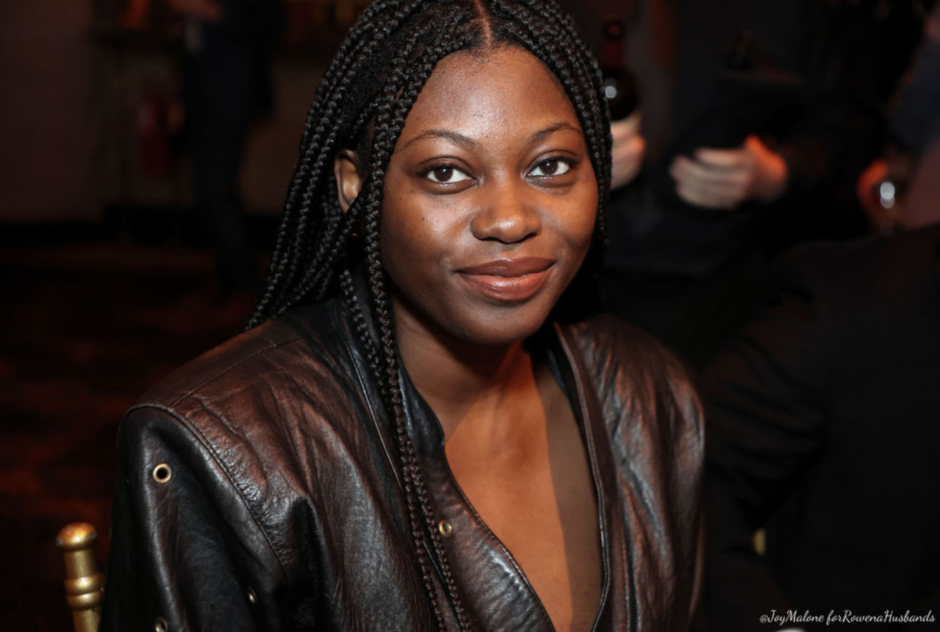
x=634, y=375
x=252, y=429
x=262, y=357
x=249, y=384
x=609, y=344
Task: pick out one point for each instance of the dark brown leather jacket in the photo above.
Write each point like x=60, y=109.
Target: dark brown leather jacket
x=284, y=509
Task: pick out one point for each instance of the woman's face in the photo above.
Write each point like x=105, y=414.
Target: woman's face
x=490, y=200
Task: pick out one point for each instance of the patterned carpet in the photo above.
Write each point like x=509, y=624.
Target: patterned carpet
x=84, y=330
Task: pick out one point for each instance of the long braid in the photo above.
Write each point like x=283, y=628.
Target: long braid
x=390, y=118
x=321, y=137
x=421, y=71
x=316, y=276
x=367, y=93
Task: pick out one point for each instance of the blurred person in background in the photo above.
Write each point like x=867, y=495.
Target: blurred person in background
x=889, y=183
x=822, y=429
x=226, y=87
x=873, y=42
x=822, y=416
x=732, y=141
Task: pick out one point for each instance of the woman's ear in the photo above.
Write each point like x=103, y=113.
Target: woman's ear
x=348, y=178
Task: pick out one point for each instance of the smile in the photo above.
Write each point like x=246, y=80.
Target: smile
x=508, y=280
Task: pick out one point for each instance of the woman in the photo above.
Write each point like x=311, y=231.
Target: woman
x=406, y=439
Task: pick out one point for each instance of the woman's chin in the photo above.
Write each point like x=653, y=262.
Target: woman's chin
x=500, y=332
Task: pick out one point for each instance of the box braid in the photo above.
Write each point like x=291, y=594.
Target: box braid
x=362, y=103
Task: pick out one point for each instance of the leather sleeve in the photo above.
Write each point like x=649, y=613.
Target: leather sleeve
x=765, y=400
x=186, y=549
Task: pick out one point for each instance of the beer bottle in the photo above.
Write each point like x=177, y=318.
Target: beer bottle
x=620, y=86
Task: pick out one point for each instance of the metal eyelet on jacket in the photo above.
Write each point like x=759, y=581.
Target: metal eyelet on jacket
x=160, y=625
x=445, y=528
x=162, y=474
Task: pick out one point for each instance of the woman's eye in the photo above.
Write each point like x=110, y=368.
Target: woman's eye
x=446, y=175
x=551, y=167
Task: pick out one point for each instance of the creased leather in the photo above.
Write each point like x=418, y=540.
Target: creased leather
x=285, y=509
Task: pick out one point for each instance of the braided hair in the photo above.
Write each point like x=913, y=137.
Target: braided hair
x=361, y=104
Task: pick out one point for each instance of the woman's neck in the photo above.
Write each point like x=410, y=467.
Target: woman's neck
x=460, y=380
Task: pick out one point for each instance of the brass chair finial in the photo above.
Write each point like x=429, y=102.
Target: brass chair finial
x=84, y=584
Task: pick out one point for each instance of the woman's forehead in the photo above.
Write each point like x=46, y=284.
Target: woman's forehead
x=499, y=91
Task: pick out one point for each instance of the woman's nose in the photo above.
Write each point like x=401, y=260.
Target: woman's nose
x=507, y=214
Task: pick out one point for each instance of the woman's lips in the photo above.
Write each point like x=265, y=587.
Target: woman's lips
x=508, y=280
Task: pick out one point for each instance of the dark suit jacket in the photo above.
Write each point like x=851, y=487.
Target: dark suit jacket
x=823, y=423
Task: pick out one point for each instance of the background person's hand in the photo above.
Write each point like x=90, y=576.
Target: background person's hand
x=628, y=150
x=725, y=178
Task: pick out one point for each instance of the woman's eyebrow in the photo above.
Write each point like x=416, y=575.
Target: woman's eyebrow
x=454, y=137
x=465, y=141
